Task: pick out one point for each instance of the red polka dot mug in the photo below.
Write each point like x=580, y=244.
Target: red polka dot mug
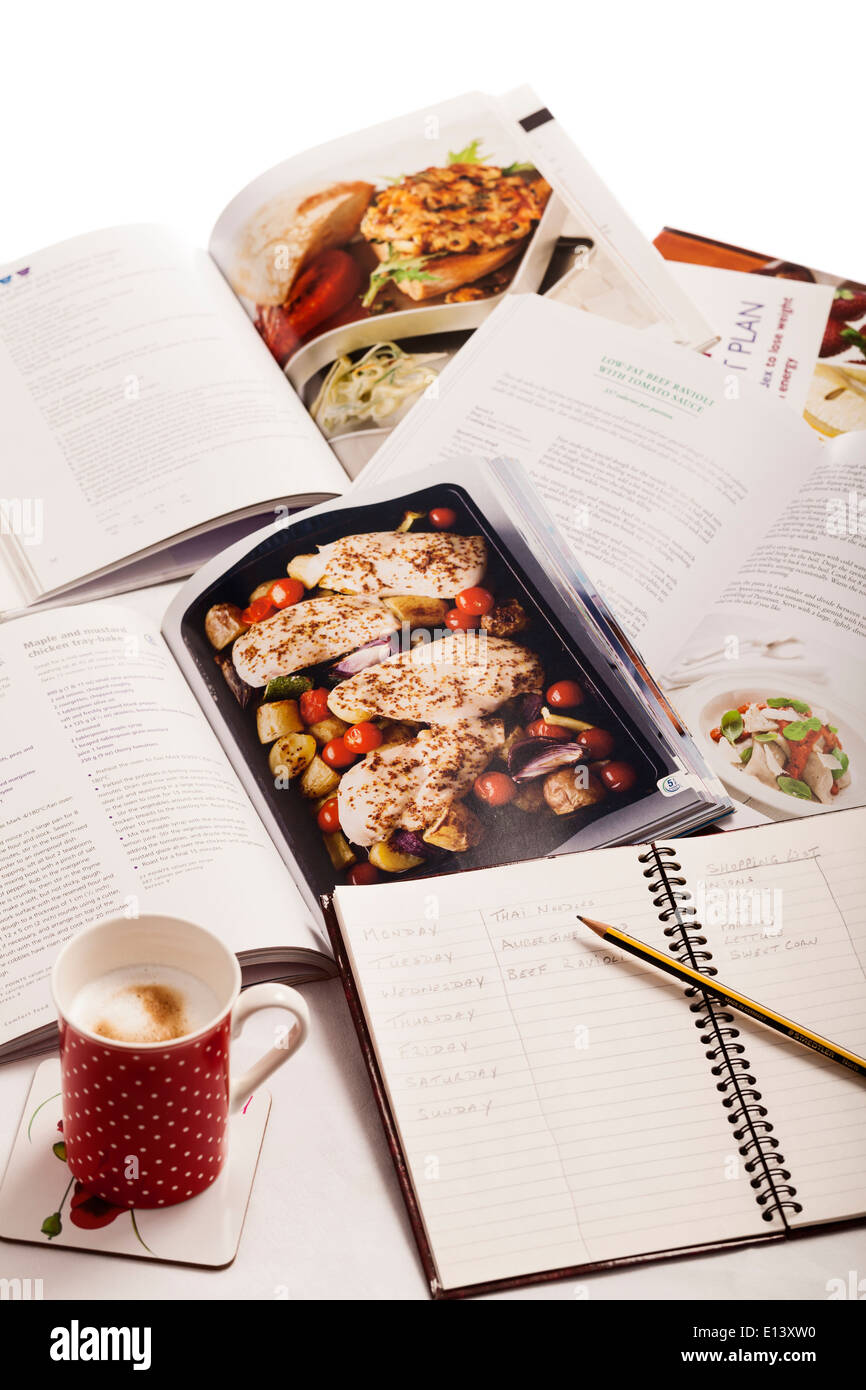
x=146, y=1123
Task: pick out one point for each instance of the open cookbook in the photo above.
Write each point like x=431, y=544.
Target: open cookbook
x=160, y=401
x=726, y=536
x=404, y=683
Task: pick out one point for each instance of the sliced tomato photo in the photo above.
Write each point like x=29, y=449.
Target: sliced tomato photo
x=314, y=705
x=539, y=729
x=259, y=609
x=327, y=283
x=336, y=754
x=459, y=621
x=329, y=816
x=565, y=695
x=477, y=601
x=363, y=873
x=363, y=738
x=286, y=592
x=495, y=788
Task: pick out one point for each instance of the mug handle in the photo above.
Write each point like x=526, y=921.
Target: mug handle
x=267, y=996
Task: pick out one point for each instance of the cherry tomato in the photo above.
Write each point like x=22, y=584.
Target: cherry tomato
x=475, y=601
x=336, y=754
x=329, y=816
x=495, y=788
x=286, y=592
x=314, y=705
x=619, y=777
x=362, y=738
x=565, y=695
x=538, y=729
x=364, y=872
x=442, y=518
x=598, y=743
x=328, y=283
x=459, y=621
x=259, y=609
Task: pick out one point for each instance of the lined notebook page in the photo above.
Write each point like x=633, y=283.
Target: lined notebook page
x=808, y=964
x=553, y=1100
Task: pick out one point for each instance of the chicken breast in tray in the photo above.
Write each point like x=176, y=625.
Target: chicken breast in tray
x=307, y=633
x=437, y=565
x=414, y=785
x=463, y=676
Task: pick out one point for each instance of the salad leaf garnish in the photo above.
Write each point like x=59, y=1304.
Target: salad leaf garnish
x=519, y=167
x=799, y=728
x=766, y=738
x=746, y=754
x=794, y=787
x=731, y=725
x=783, y=702
x=842, y=759
x=471, y=155
x=396, y=269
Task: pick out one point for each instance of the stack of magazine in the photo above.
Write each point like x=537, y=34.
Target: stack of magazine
x=510, y=538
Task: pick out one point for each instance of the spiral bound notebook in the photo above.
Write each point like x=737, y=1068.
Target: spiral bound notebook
x=554, y=1106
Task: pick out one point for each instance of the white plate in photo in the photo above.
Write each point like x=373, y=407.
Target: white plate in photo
x=702, y=705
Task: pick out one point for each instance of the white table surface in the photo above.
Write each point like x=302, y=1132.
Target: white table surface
x=326, y=1218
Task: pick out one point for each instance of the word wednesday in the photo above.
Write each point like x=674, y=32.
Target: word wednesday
x=75, y=1343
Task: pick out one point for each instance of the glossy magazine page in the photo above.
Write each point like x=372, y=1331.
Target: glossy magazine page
x=515, y=731
x=366, y=263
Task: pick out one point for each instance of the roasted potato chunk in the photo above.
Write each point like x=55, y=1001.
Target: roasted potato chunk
x=418, y=611
x=341, y=852
x=392, y=861
x=223, y=624
x=276, y=718
x=531, y=797
x=564, y=791
x=307, y=568
x=325, y=729
x=397, y=732
x=291, y=755
x=459, y=830
x=317, y=778
x=505, y=619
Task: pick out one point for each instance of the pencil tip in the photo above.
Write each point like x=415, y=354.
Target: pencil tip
x=598, y=927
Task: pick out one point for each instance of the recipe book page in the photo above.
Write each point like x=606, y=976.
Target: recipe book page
x=139, y=403
x=784, y=912
x=552, y=1096
x=116, y=799
x=661, y=470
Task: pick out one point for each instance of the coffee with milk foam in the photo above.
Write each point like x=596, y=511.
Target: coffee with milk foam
x=144, y=1004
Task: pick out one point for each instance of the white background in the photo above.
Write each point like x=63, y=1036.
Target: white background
x=741, y=122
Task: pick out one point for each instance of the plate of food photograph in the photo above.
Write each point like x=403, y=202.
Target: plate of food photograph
x=785, y=745
x=406, y=703
x=352, y=256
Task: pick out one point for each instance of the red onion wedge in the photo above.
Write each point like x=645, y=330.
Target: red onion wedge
x=535, y=757
x=410, y=842
x=369, y=655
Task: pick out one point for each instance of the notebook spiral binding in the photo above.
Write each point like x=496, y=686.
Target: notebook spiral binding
x=753, y=1132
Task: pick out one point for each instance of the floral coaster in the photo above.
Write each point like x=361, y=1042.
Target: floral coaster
x=40, y=1201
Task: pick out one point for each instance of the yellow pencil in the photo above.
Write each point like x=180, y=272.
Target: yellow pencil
x=732, y=997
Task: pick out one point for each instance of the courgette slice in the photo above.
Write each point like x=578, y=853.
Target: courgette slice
x=287, y=687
